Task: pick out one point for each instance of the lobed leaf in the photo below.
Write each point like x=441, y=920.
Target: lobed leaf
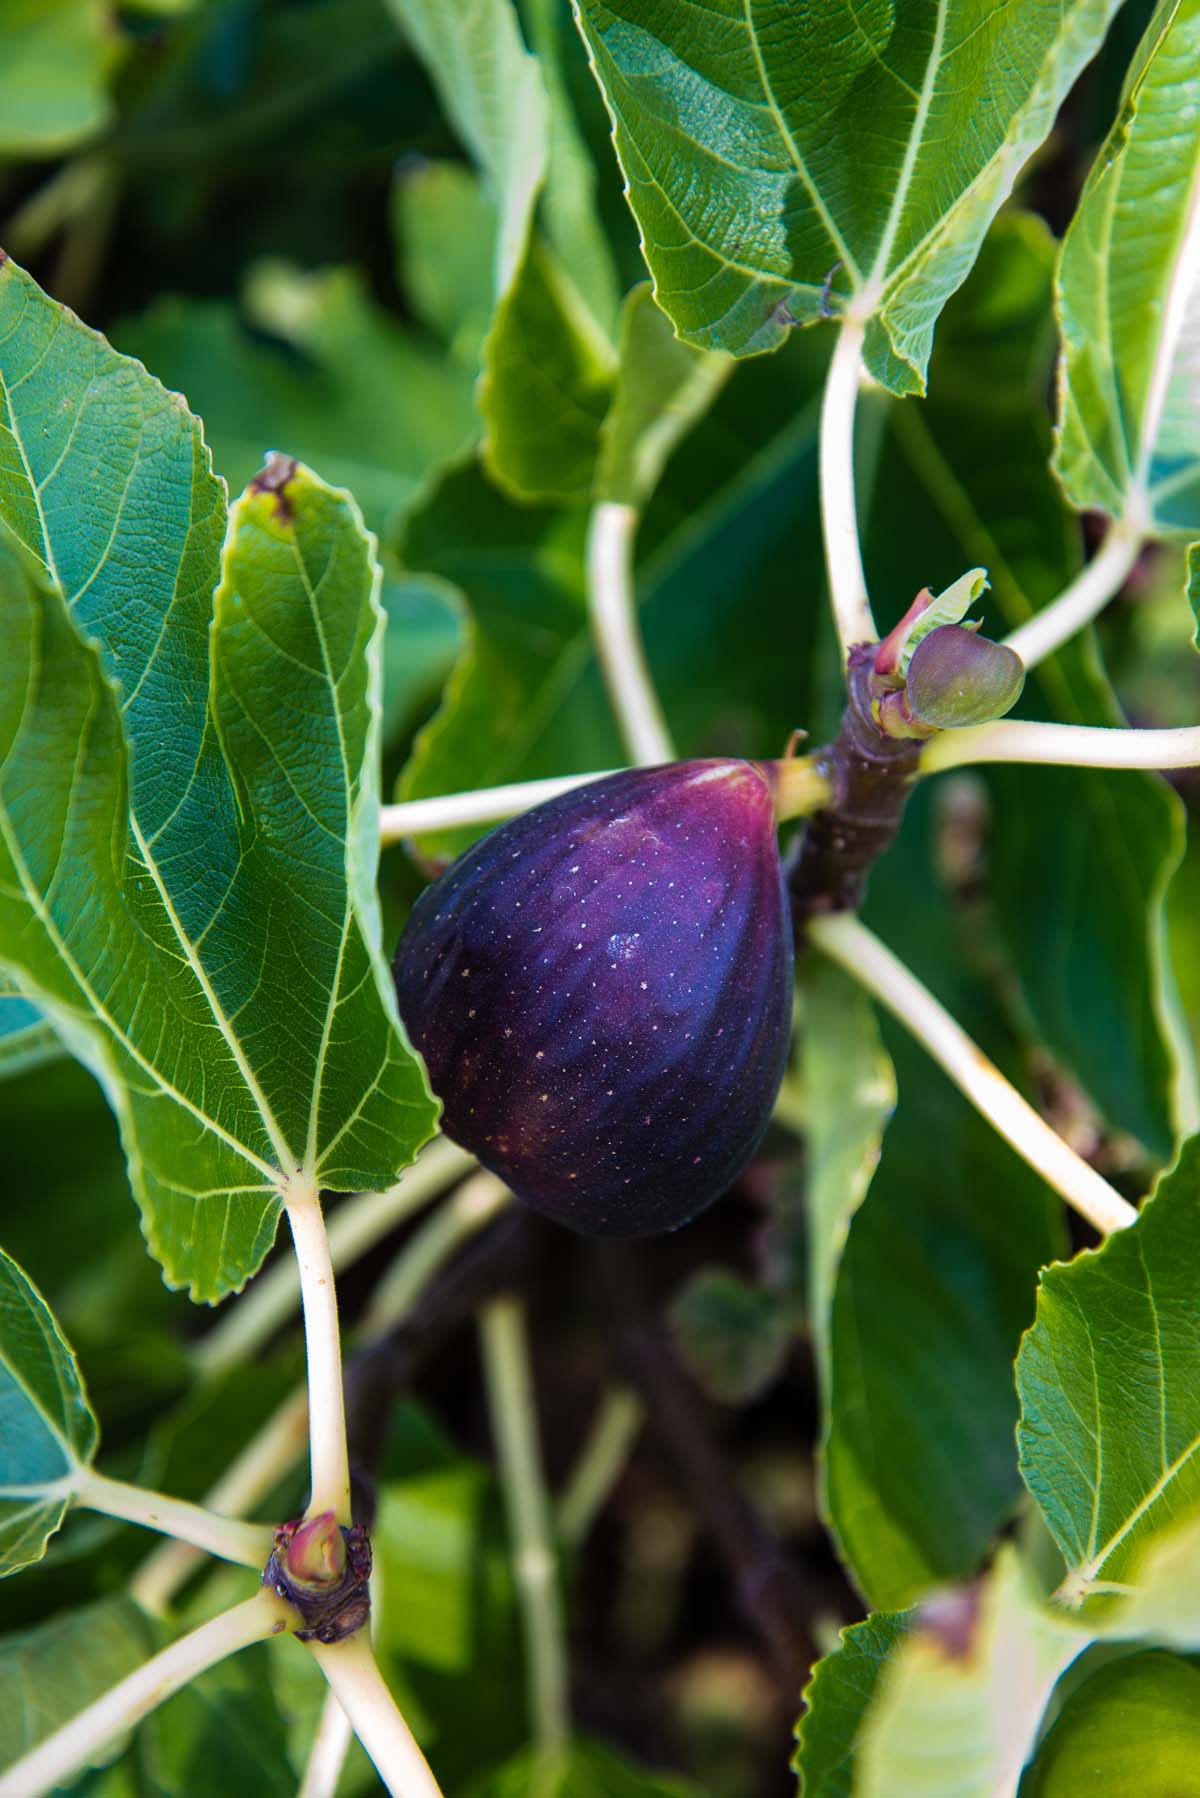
x=47, y=1429
x=782, y=162
x=190, y=852
x=1109, y=1380
x=1129, y=298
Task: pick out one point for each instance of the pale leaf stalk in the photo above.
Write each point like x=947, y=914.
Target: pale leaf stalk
x=354, y=1676
x=326, y=1401
x=78, y=1742
x=839, y=516
x=1063, y=745
x=327, y=1756
x=266, y=1459
x=514, y=1425
x=247, y=1544
x=1083, y=600
x=599, y=1465
x=274, y=1451
x=484, y=805
x=848, y=942
x=613, y=608
x=465, y=1212
x=356, y=1226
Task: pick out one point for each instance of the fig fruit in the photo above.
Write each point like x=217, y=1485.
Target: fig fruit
x=602, y=992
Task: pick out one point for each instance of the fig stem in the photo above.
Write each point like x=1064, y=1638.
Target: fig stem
x=246, y=1544
x=484, y=805
x=327, y=1756
x=326, y=1403
x=79, y=1741
x=845, y=940
x=802, y=785
x=514, y=1424
x=354, y=1677
x=1069, y=745
x=355, y=1226
x=1084, y=599
x=839, y=516
x=276, y=1448
x=601, y=1460
x=612, y=605
x=474, y=1204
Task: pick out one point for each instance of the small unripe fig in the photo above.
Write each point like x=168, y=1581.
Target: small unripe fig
x=602, y=992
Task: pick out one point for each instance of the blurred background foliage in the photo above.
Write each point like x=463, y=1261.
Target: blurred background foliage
x=271, y=203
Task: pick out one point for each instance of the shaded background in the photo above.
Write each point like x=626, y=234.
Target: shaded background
x=264, y=203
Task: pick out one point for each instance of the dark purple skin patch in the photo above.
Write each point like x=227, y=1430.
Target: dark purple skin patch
x=602, y=992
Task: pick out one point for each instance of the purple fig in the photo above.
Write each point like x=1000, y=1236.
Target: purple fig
x=602, y=992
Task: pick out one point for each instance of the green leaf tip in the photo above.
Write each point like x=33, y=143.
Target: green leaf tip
x=274, y=477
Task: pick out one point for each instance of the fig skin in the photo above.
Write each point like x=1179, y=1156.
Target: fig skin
x=602, y=993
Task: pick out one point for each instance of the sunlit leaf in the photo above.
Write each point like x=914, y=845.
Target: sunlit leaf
x=47, y=1429
x=957, y=1710
x=224, y=978
x=785, y=161
x=1109, y=1378
x=1129, y=297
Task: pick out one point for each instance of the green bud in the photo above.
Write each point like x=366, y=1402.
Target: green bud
x=957, y=678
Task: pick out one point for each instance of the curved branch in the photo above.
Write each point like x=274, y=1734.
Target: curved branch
x=613, y=608
x=845, y=940
x=246, y=1544
x=839, y=517
x=1083, y=600
x=485, y=805
x=356, y=1226
x=535, y=1564
x=323, y=1350
x=1064, y=745
x=354, y=1676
